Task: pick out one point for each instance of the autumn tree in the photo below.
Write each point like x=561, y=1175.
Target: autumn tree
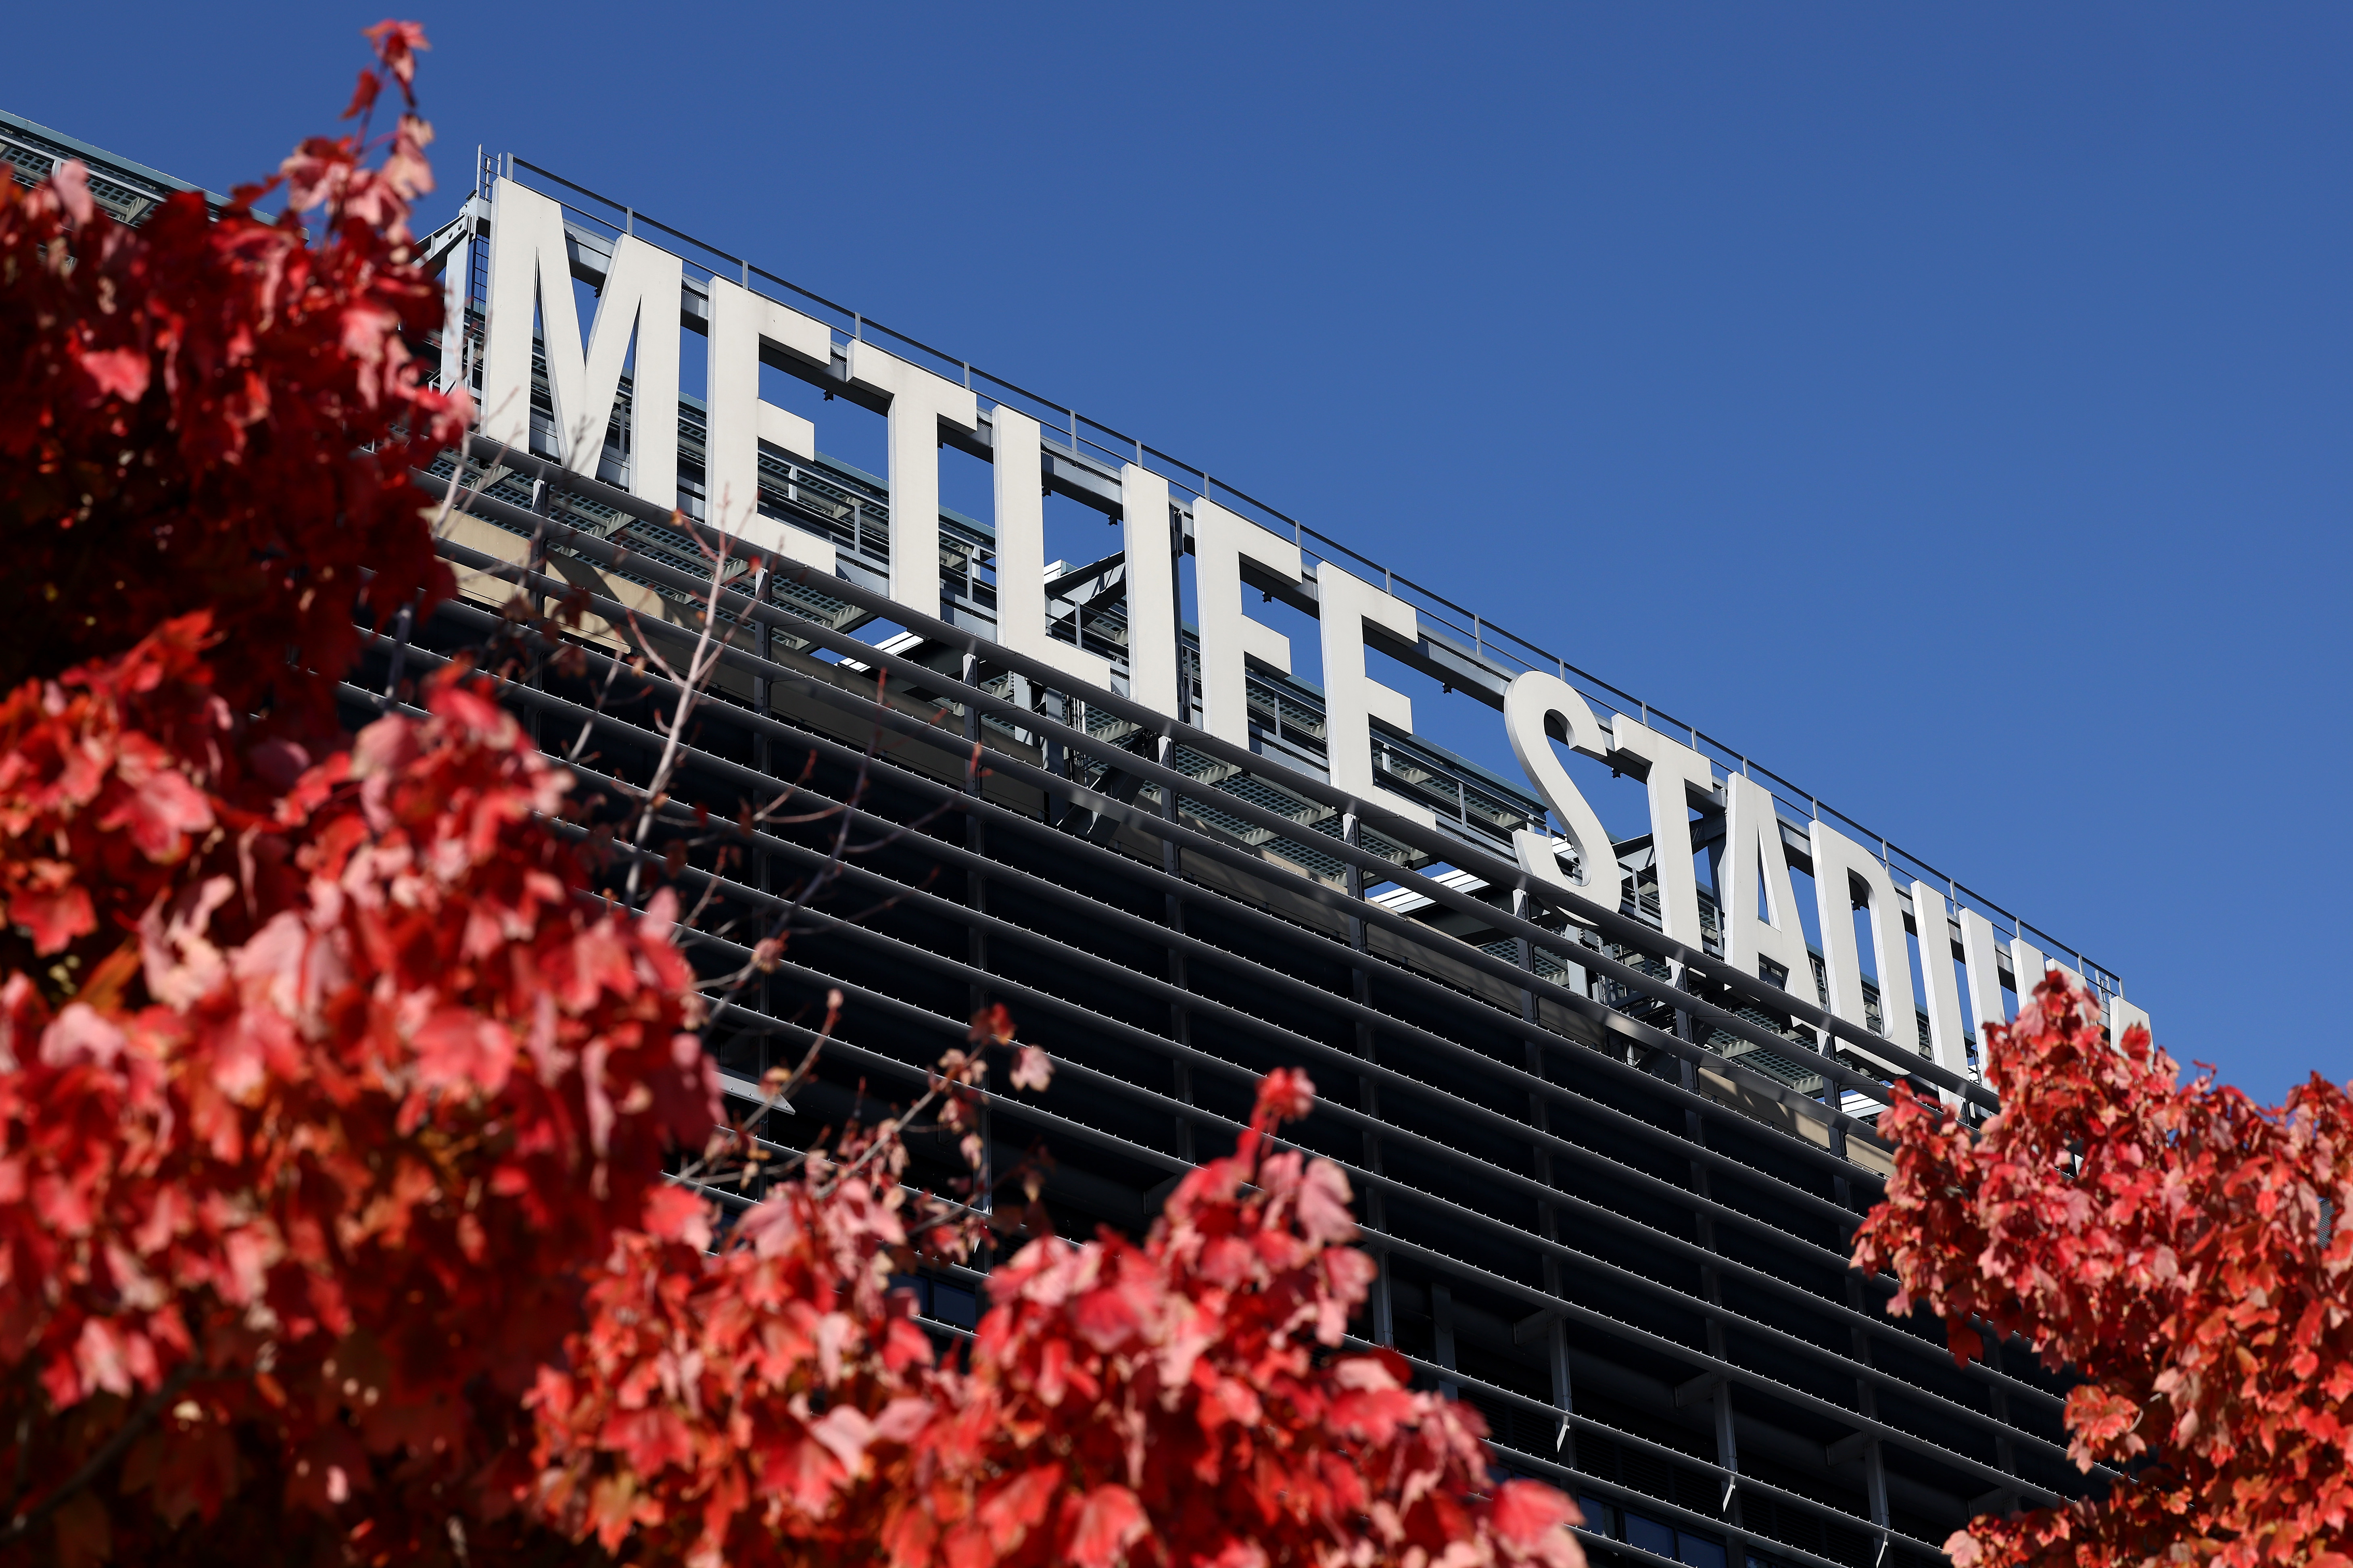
x=2175, y=1247
x=336, y=1095
x=319, y=1081
x=1175, y=1403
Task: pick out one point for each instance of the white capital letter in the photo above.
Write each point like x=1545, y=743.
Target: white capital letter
x=643, y=287
x=1839, y=863
x=920, y=401
x=1222, y=541
x=1531, y=703
x=740, y=321
x=1672, y=772
x=1352, y=698
x=2030, y=968
x=1151, y=569
x=1021, y=551
x=1754, y=859
x=1947, y=1043
x=2027, y=969
x=1981, y=961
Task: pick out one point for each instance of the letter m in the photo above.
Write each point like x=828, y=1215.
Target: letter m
x=639, y=293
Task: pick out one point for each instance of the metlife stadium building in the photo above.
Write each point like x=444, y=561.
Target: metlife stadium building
x=1608, y=1110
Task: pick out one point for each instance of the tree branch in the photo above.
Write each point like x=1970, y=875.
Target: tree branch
x=108, y=1452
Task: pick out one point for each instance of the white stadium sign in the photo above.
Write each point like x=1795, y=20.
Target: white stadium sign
x=645, y=299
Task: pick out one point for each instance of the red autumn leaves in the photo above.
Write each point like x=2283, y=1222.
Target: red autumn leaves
x=2179, y=1248
x=217, y=414
x=1178, y=1402
x=319, y=1147
x=319, y=1080
x=334, y=1107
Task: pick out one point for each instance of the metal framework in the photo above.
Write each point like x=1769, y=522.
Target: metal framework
x=128, y=190
x=1610, y=1181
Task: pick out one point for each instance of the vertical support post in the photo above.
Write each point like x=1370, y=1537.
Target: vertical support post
x=402, y=626
x=976, y=834
x=1180, y=1020
x=1866, y=1402
x=763, y=637
x=1680, y=974
x=1728, y=1449
x=1368, y=1093
x=1442, y=1337
x=759, y=865
x=975, y=838
x=1842, y=1189
x=1547, y=1218
x=542, y=506
x=2005, y=1452
x=1055, y=756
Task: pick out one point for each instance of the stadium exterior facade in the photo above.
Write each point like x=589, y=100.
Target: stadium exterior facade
x=1610, y=1140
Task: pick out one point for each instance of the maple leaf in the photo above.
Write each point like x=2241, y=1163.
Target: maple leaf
x=1104, y=1523
x=116, y=373
x=1032, y=1070
x=1286, y=1094
x=992, y=1026
x=397, y=43
x=363, y=95
x=1527, y=1514
x=51, y=909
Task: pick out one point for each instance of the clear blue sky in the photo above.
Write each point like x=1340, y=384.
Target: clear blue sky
x=1949, y=405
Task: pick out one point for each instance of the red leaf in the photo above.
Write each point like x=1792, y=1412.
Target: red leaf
x=1527, y=1511
x=1286, y=1094
x=1015, y=1508
x=363, y=95
x=116, y=373
x=991, y=1026
x=458, y=1047
x=1110, y=1519
x=680, y=1214
x=70, y=180
x=1032, y=1070
x=395, y=45
x=54, y=915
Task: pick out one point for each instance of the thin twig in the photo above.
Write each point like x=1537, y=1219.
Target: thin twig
x=781, y=1091
x=700, y=668
x=108, y=1452
x=24, y=1456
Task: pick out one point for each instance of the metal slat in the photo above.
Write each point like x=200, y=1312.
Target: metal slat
x=1447, y=1186
x=1401, y=1081
x=1627, y=931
